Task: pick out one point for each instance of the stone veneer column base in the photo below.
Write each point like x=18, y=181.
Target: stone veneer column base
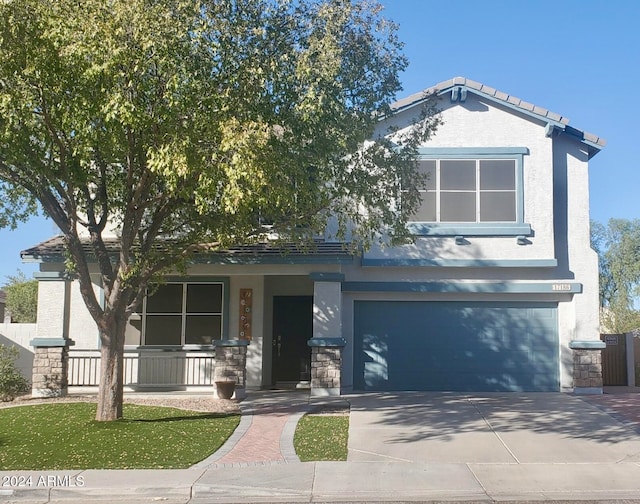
x=231, y=365
x=50, y=365
x=326, y=366
x=587, y=366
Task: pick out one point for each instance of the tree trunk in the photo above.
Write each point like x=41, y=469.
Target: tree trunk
x=110, y=391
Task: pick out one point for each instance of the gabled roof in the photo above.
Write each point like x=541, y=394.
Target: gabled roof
x=458, y=87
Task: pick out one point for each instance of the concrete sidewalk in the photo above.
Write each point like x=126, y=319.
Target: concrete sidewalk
x=345, y=481
x=534, y=447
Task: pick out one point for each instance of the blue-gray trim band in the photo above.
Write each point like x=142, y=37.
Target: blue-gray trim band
x=51, y=276
x=230, y=343
x=479, y=229
x=460, y=263
x=587, y=345
x=472, y=151
x=51, y=342
x=466, y=287
x=327, y=277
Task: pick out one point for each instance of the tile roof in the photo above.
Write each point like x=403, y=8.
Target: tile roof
x=499, y=96
x=52, y=250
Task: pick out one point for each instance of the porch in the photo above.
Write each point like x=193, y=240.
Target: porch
x=287, y=327
x=222, y=366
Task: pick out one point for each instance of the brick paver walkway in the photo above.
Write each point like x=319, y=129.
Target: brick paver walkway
x=266, y=431
x=261, y=442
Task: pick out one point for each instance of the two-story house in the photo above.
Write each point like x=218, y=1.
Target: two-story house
x=499, y=291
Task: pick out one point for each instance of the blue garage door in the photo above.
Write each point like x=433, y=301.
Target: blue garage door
x=453, y=346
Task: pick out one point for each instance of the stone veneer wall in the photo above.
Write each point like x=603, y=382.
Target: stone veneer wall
x=587, y=368
x=50, y=371
x=326, y=365
x=231, y=364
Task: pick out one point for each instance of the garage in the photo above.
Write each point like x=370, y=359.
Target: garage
x=456, y=346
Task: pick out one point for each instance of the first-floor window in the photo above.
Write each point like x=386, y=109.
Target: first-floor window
x=183, y=314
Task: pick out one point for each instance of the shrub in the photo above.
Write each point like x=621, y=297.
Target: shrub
x=12, y=383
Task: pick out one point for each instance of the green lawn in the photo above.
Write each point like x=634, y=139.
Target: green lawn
x=322, y=437
x=65, y=436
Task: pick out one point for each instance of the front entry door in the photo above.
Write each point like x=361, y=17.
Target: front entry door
x=292, y=328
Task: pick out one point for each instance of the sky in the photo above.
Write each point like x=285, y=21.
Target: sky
x=578, y=58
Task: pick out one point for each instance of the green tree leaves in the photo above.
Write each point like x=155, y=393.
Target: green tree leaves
x=176, y=123
x=618, y=248
x=22, y=298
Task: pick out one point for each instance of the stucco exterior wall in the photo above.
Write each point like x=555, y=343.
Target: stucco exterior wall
x=19, y=336
x=82, y=327
x=579, y=320
x=583, y=260
x=53, y=302
x=481, y=123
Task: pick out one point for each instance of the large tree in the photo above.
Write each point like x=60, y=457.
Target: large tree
x=618, y=248
x=184, y=125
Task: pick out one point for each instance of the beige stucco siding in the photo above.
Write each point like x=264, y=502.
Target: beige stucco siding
x=52, y=298
x=82, y=327
x=483, y=124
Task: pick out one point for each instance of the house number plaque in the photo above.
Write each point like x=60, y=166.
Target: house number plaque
x=246, y=298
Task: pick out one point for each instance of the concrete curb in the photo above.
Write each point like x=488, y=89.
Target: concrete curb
x=346, y=481
x=288, y=433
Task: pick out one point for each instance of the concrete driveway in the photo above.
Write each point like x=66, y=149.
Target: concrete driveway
x=423, y=427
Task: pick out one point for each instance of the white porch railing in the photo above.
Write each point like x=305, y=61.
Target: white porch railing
x=146, y=368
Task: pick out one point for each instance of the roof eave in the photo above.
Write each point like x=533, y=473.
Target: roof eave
x=459, y=87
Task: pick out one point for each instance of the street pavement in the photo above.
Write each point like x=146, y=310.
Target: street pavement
x=403, y=447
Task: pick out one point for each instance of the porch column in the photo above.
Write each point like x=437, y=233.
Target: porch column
x=327, y=305
x=326, y=366
x=50, y=367
x=231, y=366
x=51, y=344
x=587, y=366
x=327, y=342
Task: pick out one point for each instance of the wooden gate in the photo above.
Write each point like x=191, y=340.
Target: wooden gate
x=614, y=359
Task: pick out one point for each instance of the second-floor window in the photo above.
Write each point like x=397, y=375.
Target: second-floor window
x=468, y=190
